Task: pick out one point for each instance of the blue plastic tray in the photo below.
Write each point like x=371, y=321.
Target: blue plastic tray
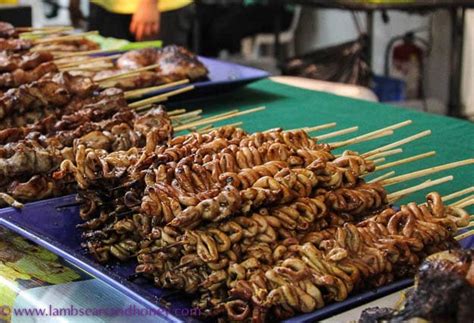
x=55, y=229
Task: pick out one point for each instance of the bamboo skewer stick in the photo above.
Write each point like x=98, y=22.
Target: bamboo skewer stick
x=405, y=160
x=424, y=172
x=321, y=127
x=386, y=153
x=159, y=98
x=176, y=112
x=67, y=37
x=336, y=133
x=370, y=134
x=378, y=179
x=464, y=200
x=127, y=73
x=315, y=128
x=94, y=68
x=218, y=116
x=378, y=161
x=43, y=33
x=225, y=114
x=187, y=114
x=88, y=61
x=383, y=134
x=215, y=119
x=186, y=121
x=464, y=235
x=469, y=226
x=392, y=197
x=141, y=92
x=458, y=194
x=204, y=129
x=45, y=28
x=360, y=140
x=235, y=124
x=61, y=55
x=397, y=143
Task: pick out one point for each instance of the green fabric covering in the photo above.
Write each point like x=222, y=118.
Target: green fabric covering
x=122, y=44
x=291, y=107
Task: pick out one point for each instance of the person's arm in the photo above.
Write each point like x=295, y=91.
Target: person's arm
x=75, y=13
x=146, y=20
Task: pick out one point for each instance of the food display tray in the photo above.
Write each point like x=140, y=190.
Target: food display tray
x=223, y=77
x=52, y=224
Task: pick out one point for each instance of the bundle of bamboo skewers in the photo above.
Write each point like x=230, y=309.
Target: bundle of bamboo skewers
x=225, y=214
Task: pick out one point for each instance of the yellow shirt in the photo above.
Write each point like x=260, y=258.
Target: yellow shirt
x=130, y=6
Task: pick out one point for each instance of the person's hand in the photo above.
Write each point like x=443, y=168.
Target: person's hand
x=146, y=20
x=75, y=14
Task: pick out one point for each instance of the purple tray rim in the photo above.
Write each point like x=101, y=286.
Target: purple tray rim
x=9, y=215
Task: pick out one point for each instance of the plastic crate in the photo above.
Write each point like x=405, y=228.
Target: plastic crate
x=388, y=89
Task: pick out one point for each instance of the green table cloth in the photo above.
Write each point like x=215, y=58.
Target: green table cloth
x=290, y=107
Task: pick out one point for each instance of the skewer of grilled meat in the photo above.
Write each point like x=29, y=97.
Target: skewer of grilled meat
x=95, y=109
x=355, y=205
x=346, y=254
x=267, y=226
x=70, y=45
x=60, y=95
x=19, y=76
x=32, y=161
x=174, y=63
x=15, y=45
x=443, y=292
x=27, y=61
x=108, y=130
x=330, y=268
x=7, y=30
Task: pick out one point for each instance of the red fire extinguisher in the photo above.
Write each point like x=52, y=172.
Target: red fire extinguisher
x=407, y=63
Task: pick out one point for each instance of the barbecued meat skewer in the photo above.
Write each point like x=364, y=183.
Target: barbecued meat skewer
x=173, y=64
x=48, y=98
x=219, y=178
x=373, y=252
x=28, y=61
x=15, y=45
x=76, y=114
x=291, y=220
x=120, y=129
x=166, y=206
x=7, y=30
x=19, y=76
x=32, y=161
x=443, y=290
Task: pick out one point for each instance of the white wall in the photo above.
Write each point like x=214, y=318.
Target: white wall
x=468, y=65
x=321, y=28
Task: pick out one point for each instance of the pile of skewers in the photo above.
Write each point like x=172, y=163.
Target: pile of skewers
x=44, y=122
x=49, y=105
x=23, y=61
x=261, y=226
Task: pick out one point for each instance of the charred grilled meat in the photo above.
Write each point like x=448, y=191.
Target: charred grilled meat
x=7, y=30
x=15, y=45
x=444, y=291
x=174, y=63
x=11, y=62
